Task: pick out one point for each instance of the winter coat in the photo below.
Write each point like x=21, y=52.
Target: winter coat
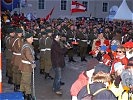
x=57, y=54
x=103, y=95
x=121, y=92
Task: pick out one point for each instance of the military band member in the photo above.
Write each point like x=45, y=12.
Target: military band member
x=48, y=63
x=27, y=65
x=16, y=48
x=42, y=52
x=70, y=36
x=82, y=44
x=8, y=53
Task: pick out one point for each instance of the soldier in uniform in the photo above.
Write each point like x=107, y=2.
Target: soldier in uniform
x=42, y=52
x=82, y=44
x=8, y=53
x=48, y=64
x=36, y=40
x=16, y=48
x=70, y=35
x=27, y=65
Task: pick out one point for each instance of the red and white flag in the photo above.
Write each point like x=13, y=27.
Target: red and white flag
x=49, y=15
x=77, y=7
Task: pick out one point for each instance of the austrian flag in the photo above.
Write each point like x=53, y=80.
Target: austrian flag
x=77, y=7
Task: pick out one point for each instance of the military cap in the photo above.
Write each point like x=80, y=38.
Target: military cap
x=43, y=33
x=10, y=29
x=28, y=35
x=18, y=30
x=100, y=31
x=49, y=31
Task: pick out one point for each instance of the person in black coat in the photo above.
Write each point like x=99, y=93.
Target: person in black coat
x=101, y=78
x=57, y=58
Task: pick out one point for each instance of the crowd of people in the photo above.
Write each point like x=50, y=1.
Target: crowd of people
x=109, y=43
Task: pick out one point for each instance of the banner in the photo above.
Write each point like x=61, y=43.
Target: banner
x=49, y=15
x=77, y=7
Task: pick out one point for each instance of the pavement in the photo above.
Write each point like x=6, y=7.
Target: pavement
x=43, y=87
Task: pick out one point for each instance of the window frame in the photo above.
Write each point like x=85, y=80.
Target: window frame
x=64, y=2
x=41, y=4
x=105, y=8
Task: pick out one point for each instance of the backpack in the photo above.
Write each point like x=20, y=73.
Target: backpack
x=90, y=96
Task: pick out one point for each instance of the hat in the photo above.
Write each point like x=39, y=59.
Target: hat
x=114, y=47
x=103, y=48
x=118, y=65
x=128, y=45
x=43, y=33
x=92, y=63
x=100, y=31
x=18, y=30
x=49, y=31
x=28, y=35
x=10, y=29
x=102, y=67
x=130, y=62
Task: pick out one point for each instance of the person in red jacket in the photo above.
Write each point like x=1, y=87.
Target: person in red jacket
x=83, y=79
x=120, y=57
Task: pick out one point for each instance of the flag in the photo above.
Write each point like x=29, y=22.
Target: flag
x=9, y=4
x=77, y=7
x=48, y=16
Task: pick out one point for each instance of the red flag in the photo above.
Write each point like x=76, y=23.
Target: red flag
x=77, y=7
x=48, y=16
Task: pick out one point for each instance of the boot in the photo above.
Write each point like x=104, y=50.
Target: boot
x=62, y=83
x=46, y=75
x=84, y=59
x=41, y=71
x=81, y=58
x=10, y=80
x=15, y=87
x=29, y=97
x=24, y=95
x=72, y=60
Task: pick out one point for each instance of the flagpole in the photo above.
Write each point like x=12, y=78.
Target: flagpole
x=20, y=6
x=12, y=4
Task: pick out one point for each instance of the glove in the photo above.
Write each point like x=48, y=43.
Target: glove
x=33, y=65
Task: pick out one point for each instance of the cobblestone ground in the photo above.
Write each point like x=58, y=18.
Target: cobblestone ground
x=43, y=87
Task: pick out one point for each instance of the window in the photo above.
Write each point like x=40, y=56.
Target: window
x=105, y=7
x=63, y=4
x=41, y=4
x=85, y=3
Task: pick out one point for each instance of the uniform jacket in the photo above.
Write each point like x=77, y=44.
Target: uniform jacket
x=16, y=49
x=83, y=39
x=27, y=54
x=48, y=43
x=57, y=54
x=8, y=52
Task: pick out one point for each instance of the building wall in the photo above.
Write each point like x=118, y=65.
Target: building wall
x=94, y=8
